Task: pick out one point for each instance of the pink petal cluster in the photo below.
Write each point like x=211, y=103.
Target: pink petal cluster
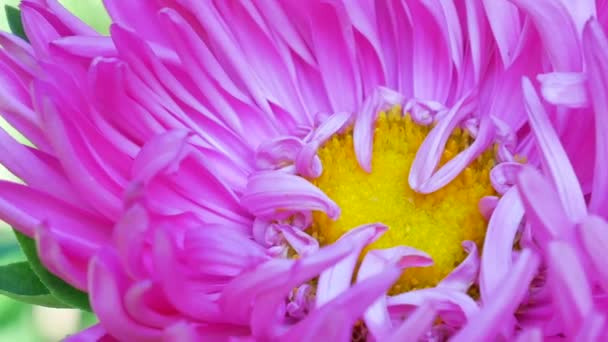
x=169, y=173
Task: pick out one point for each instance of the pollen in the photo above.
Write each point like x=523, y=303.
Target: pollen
x=435, y=223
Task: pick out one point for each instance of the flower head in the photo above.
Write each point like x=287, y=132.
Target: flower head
x=296, y=170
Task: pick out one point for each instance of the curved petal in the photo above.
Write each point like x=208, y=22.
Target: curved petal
x=596, y=55
x=486, y=324
x=337, y=279
x=553, y=155
x=270, y=193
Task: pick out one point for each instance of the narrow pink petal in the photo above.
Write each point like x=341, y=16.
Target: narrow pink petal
x=26, y=208
x=269, y=193
x=139, y=15
x=504, y=175
x=543, y=210
x=94, y=333
x=35, y=171
x=376, y=317
x=486, y=324
x=594, y=327
x=530, y=335
x=277, y=153
x=415, y=325
x=453, y=306
x=497, y=254
x=562, y=46
x=581, y=11
x=301, y=242
x=40, y=32
x=337, y=279
x=454, y=167
x=106, y=287
x=596, y=55
x=553, y=155
x=142, y=301
x=190, y=296
x=478, y=36
x=564, y=88
x=279, y=275
x=429, y=153
x=363, y=133
x=431, y=54
x=465, y=274
x=487, y=204
x=55, y=257
x=505, y=22
x=334, y=48
x=571, y=289
x=335, y=319
x=593, y=233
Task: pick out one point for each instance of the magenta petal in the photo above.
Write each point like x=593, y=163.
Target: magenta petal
x=269, y=193
x=465, y=274
x=593, y=233
x=334, y=319
x=595, y=45
x=553, y=155
x=497, y=257
x=106, y=288
x=415, y=325
x=454, y=306
x=561, y=46
x=337, y=279
x=429, y=153
x=543, y=209
x=376, y=317
x=94, y=333
x=564, y=88
x=486, y=324
x=571, y=289
x=363, y=133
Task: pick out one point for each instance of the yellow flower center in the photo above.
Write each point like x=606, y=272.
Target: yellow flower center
x=435, y=223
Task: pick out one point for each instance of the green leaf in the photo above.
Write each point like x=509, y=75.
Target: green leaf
x=57, y=287
x=13, y=16
x=19, y=282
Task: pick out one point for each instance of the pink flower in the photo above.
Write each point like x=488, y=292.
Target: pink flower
x=304, y=170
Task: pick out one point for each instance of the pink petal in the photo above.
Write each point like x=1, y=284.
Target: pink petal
x=335, y=319
x=553, y=155
x=544, y=212
x=593, y=233
x=376, y=317
x=365, y=123
x=337, y=278
x=571, y=290
x=269, y=193
x=106, y=289
x=94, y=333
x=415, y=325
x=505, y=22
x=464, y=275
x=497, y=255
x=453, y=306
x=562, y=46
x=486, y=324
x=564, y=88
x=595, y=45
x=429, y=153
x=334, y=48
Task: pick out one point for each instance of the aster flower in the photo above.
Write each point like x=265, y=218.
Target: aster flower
x=323, y=169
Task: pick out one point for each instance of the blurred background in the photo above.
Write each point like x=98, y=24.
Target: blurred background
x=23, y=322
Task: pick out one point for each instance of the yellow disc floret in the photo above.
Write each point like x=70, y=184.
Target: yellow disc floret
x=435, y=223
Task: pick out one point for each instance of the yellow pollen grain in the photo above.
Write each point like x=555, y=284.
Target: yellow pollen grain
x=435, y=223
